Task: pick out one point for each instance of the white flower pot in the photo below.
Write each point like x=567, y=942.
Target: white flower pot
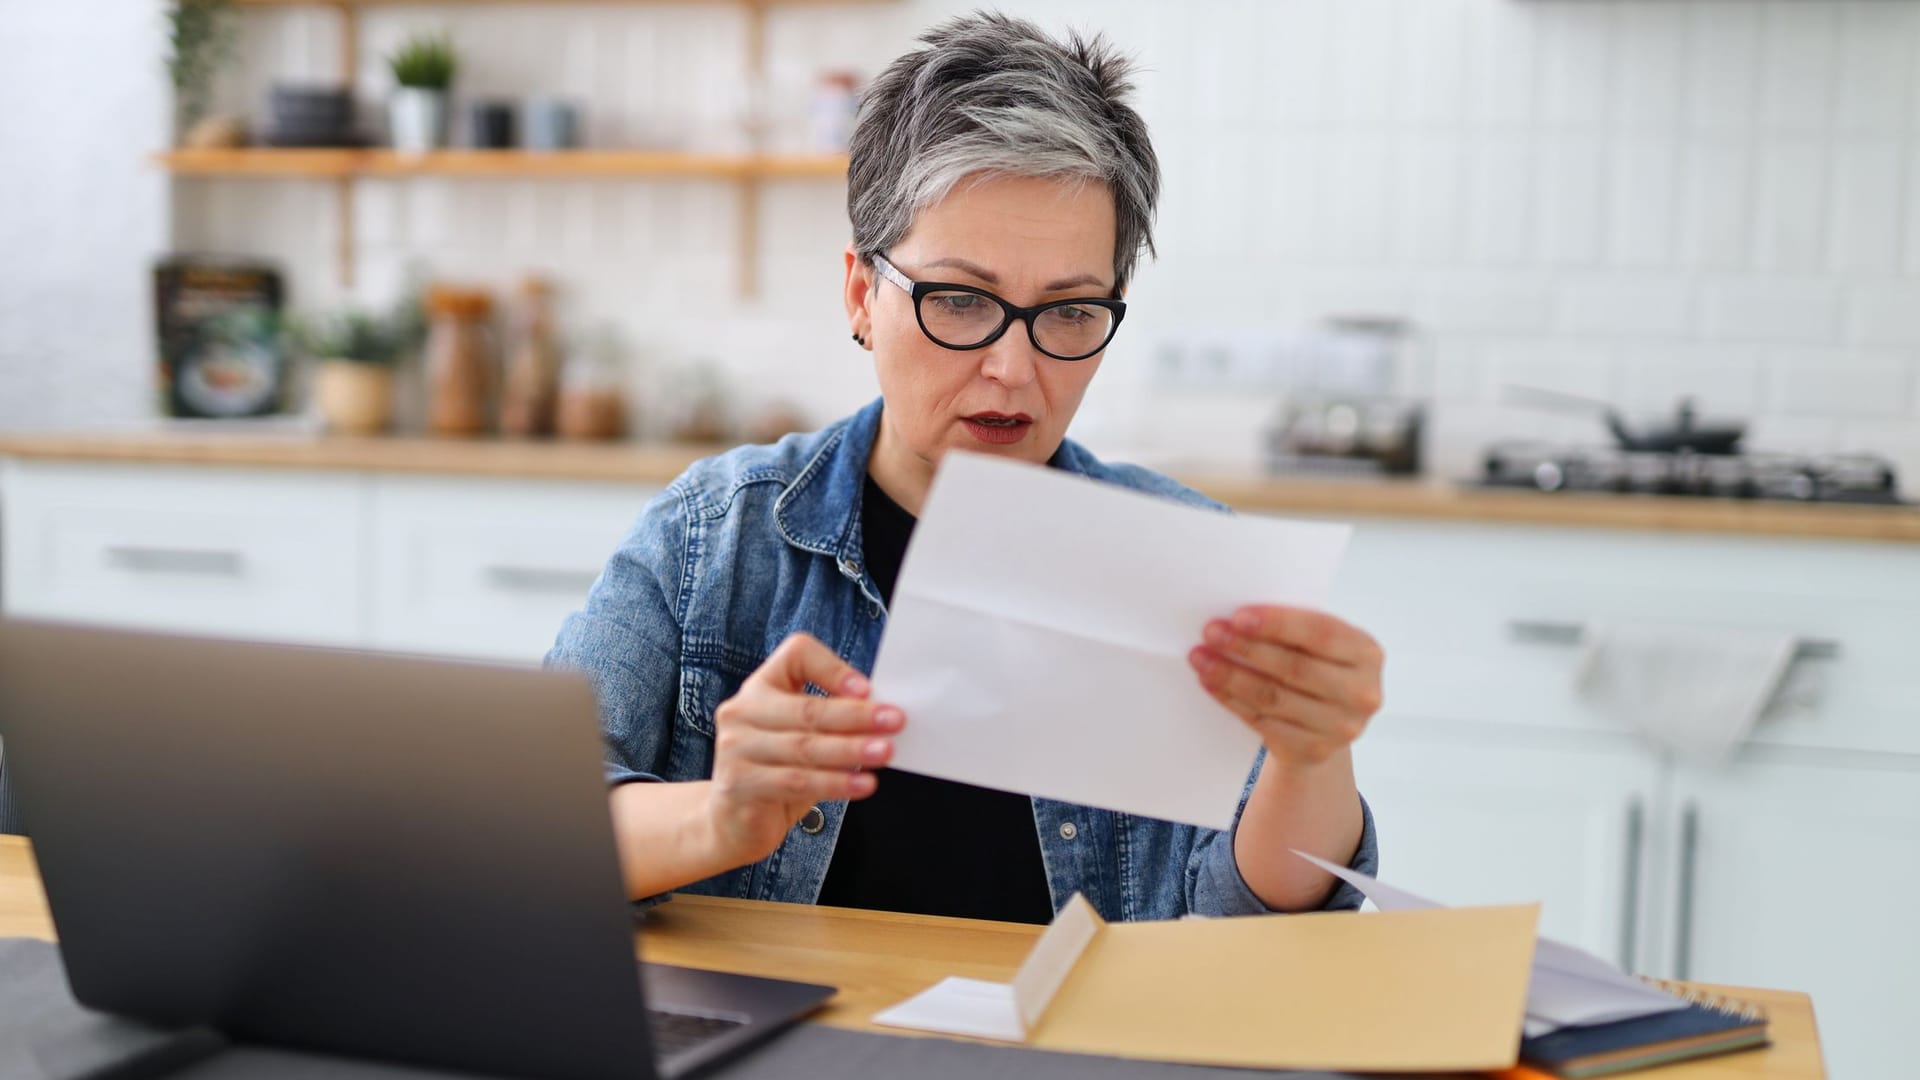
x=417, y=119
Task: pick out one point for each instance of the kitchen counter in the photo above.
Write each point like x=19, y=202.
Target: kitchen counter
x=656, y=463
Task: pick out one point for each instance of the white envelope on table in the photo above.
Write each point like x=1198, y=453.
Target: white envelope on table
x=1039, y=633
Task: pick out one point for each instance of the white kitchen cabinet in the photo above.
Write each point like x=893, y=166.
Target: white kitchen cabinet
x=1444, y=598
x=247, y=553
x=1801, y=870
x=1793, y=865
x=1555, y=817
x=488, y=568
x=477, y=568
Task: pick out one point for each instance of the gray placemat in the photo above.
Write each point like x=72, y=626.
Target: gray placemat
x=812, y=1052
x=46, y=1035
x=808, y=1052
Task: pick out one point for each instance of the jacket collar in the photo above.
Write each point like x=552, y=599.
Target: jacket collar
x=820, y=510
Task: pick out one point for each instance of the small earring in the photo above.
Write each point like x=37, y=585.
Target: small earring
x=858, y=339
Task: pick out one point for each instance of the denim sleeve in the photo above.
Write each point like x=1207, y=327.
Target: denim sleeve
x=1214, y=884
x=627, y=641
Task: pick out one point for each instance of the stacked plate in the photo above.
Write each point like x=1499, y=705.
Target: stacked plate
x=311, y=116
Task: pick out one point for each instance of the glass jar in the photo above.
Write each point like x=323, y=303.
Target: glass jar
x=460, y=362
x=533, y=369
x=593, y=401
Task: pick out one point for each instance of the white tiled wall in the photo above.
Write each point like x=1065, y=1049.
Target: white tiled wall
x=1636, y=199
x=80, y=217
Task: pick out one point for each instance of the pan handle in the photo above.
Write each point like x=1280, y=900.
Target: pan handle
x=1556, y=399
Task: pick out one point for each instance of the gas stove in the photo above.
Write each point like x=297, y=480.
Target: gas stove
x=1551, y=467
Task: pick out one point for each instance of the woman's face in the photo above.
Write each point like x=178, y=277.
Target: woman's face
x=1025, y=239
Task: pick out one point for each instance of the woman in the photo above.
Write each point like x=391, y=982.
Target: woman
x=1000, y=191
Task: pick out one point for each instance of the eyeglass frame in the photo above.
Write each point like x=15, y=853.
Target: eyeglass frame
x=1009, y=311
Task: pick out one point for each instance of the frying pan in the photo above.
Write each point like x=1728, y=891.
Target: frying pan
x=1683, y=433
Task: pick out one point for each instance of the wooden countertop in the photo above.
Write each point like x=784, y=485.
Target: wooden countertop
x=878, y=959
x=657, y=463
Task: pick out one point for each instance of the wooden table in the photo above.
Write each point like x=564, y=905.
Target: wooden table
x=879, y=958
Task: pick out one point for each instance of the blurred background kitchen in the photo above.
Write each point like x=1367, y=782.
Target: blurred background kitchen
x=374, y=323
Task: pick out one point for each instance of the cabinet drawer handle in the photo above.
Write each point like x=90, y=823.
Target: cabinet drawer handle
x=1566, y=633
x=1683, y=913
x=210, y=562
x=1630, y=896
x=541, y=579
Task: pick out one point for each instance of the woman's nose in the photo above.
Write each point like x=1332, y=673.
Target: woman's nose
x=1012, y=360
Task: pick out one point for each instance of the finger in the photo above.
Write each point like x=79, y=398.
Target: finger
x=807, y=749
x=1260, y=696
x=797, y=785
x=803, y=659
x=810, y=712
x=1303, y=671
x=1283, y=736
x=1309, y=631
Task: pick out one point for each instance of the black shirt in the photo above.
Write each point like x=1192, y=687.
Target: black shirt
x=929, y=846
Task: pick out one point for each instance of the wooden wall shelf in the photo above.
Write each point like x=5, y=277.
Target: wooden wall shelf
x=347, y=167
x=276, y=162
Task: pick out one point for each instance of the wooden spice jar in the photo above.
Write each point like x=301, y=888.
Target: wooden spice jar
x=461, y=373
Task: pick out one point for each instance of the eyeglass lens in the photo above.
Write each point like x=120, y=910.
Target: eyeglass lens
x=964, y=319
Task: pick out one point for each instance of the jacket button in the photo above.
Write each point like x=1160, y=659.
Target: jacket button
x=1068, y=831
x=813, y=821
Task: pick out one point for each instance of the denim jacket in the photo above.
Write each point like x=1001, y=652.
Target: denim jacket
x=751, y=546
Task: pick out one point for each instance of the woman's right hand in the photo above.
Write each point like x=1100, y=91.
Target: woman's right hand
x=778, y=750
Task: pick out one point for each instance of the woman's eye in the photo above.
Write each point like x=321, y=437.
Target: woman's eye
x=1072, y=314
x=960, y=302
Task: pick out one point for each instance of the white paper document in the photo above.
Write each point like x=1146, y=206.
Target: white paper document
x=957, y=1006
x=1568, y=985
x=1007, y=1011
x=1040, y=627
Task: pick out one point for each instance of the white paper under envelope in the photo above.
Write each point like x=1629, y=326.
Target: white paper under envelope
x=1040, y=627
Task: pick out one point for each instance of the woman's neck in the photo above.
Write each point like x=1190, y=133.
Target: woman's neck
x=904, y=475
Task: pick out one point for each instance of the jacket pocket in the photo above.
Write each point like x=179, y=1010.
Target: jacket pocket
x=703, y=686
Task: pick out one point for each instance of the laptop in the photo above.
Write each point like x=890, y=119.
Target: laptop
x=354, y=853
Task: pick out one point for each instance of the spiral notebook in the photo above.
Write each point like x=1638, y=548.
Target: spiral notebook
x=1710, y=1024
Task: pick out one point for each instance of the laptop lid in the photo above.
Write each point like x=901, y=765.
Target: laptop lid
x=357, y=853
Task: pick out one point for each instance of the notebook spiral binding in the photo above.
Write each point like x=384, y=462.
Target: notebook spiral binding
x=1719, y=1003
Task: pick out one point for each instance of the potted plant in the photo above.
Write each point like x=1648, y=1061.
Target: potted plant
x=201, y=34
x=417, y=112
x=355, y=355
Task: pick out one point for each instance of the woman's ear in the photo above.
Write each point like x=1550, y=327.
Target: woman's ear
x=858, y=296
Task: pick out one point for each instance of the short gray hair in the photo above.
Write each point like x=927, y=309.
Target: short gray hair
x=995, y=95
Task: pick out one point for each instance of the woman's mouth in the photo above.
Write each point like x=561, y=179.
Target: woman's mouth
x=998, y=429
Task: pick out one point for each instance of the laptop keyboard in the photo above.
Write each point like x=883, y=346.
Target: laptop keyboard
x=677, y=1031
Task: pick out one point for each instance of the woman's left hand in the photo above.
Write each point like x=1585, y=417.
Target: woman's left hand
x=1306, y=681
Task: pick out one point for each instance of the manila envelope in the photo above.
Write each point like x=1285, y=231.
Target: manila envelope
x=1415, y=991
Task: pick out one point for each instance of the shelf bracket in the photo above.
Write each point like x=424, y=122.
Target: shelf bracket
x=343, y=200
x=749, y=279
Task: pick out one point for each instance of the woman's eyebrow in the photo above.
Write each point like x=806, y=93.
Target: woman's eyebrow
x=992, y=278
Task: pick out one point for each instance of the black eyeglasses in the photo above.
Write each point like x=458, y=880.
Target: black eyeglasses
x=963, y=317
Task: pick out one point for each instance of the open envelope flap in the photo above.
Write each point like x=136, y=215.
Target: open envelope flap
x=1120, y=566
x=1004, y=1011
x=1053, y=958
x=1412, y=991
